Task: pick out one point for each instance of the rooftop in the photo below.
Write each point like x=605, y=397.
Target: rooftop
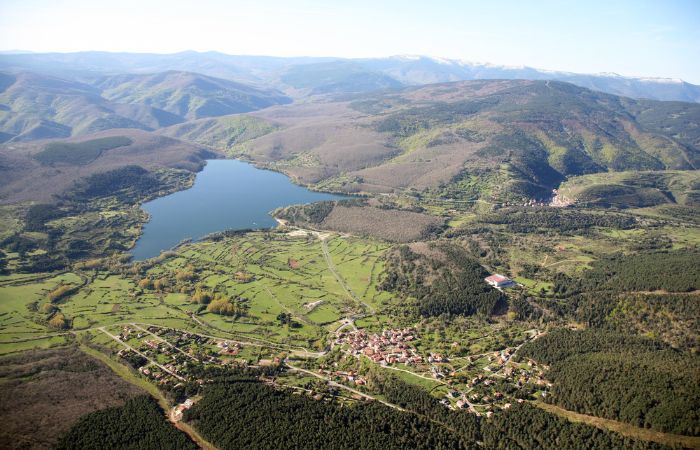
x=496, y=278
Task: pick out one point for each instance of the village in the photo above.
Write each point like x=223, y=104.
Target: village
x=388, y=347
x=480, y=383
x=477, y=382
x=502, y=380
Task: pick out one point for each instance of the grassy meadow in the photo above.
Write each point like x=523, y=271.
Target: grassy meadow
x=271, y=273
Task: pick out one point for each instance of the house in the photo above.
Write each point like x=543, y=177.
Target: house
x=499, y=281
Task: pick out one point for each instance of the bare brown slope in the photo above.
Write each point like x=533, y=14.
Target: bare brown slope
x=389, y=224
x=43, y=392
x=23, y=178
x=517, y=136
x=318, y=141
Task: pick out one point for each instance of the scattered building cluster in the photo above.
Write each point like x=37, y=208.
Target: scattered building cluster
x=529, y=373
x=497, y=387
x=491, y=380
x=165, y=355
x=559, y=200
x=527, y=203
x=228, y=348
x=349, y=376
x=389, y=347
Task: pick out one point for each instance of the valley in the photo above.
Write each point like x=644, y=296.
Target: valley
x=339, y=298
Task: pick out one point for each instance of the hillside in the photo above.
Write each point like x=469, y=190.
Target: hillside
x=36, y=171
x=187, y=95
x=635, y=189
x=221, y=133
x=417, y=70
x=245, y=69
x=35, y=106
x=336, y=77
x=40, y=107
x=479, y=139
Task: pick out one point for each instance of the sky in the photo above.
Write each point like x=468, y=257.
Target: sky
x=630, y=37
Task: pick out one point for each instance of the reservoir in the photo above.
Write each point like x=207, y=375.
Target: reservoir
x=227, y=195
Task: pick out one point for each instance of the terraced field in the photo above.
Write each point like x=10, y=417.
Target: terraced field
x=271, y=273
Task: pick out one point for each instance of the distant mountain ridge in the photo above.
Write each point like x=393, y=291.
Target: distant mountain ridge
x=418, y=70
x=187, y=94
x=39, y=106
x=334, y=75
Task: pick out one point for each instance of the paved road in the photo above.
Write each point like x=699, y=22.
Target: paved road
x=414, y=374
x=303, y=352
x=260, y=343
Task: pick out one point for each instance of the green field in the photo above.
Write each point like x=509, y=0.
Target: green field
x=269, y=273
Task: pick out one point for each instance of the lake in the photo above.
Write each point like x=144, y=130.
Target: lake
x=227, y=195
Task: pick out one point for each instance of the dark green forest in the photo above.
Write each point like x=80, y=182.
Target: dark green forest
x=418, y=400
x=457, y=288
x=622, y=377
x=79, y=153
x=139, y=424
x=121, y=183
x=527, y=427
x=672, y=271
x=240, y=413
x=532, y=220
x=252, y=415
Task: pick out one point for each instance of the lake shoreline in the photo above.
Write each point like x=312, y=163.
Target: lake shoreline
x=227, y=194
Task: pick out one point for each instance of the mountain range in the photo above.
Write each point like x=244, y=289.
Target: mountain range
x=40, y=106
x=487, y=139
x=316, y=75
x=364, y=125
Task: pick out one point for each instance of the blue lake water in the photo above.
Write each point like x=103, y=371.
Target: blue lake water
x=227, y=195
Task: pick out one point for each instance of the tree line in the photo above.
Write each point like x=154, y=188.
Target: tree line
x=240, y=412
x=532, y=220
x=251, y=415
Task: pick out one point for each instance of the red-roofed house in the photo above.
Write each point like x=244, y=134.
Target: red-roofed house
x=499, y=281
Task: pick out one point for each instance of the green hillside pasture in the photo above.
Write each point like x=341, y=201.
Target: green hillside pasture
x=10, y=222
x=79, y=153
x=112, y=299
x=286, y=274
x=225, y=133
x=21, y=328
x=324, y=314
x=635, y=189
x=355, y=260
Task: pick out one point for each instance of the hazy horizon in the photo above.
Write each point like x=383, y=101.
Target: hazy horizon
x=629, y=38
x=406, y=55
